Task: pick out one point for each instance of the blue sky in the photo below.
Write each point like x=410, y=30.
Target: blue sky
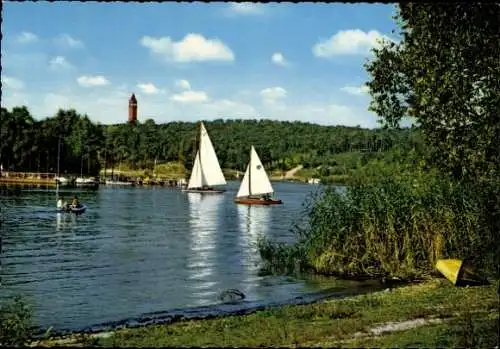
x=192, y=61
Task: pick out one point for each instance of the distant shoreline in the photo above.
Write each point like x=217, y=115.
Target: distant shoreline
x=52, y=182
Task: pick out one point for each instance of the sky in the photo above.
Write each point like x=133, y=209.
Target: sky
x=193, y=61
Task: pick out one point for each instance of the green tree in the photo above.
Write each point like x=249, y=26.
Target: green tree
x=445, y=74
x=31, y=145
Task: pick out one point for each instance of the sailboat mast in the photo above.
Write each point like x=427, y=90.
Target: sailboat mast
x=58, y=153
x=199, y=144
x=250, y=175
x=58, y=156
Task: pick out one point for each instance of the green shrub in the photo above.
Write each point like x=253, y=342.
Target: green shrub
x=16, y=326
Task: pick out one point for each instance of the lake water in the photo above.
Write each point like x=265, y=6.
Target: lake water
x=141, y=250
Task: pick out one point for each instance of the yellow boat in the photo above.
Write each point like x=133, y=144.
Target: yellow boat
x=459, y=272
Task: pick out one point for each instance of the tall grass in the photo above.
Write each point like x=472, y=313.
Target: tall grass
x=394, y=227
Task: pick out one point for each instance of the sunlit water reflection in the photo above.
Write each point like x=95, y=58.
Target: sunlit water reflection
x=140, y=250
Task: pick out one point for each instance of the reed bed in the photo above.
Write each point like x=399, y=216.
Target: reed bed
x=395, y=227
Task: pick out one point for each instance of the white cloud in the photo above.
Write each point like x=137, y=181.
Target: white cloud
x=184, y=84
x=59, y=100
x=190, y=97
x=149, y=88
x=12, y=83
x=91, y=81
x=355, y=90
x=110, y=102
x=193, y=48
x=246, y=8
x=26, y=38
x=68, y=41
x=321, y=113
x=347, y=42
x=110, y=105
x=279, y=59
x=273, y=93
x=59, y=63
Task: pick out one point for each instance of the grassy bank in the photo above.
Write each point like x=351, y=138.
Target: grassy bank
x=430, y=314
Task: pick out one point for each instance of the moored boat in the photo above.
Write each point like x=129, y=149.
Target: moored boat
x=459, y=272
x=118, y=183
x=255, y=188
x=63, y=181
x=86, y=182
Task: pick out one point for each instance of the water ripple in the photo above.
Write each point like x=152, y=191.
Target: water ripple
x=139, y=250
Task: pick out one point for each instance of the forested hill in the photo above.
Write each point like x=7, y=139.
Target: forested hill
x=31, y=145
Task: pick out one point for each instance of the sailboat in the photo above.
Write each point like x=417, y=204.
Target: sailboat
x=206, y=171
x=85, y=182
x=255, y=188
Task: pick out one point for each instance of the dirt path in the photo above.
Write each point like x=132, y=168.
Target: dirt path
x=290, y=174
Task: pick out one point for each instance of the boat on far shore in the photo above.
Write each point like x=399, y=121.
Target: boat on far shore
x=64, y=181
x=118, y=183
x=86, y=182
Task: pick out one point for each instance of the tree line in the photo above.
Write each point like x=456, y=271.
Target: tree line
x=84, y=146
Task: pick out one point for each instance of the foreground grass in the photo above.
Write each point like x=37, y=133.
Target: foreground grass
x=461, y=316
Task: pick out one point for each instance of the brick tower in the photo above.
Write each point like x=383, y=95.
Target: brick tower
x=132, y=110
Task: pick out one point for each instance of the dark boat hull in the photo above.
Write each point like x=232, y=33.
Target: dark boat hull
x=75, y=210
x=204, y=191
x=252, y=201
x=460, y=273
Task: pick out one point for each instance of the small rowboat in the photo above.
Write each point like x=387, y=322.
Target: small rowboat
x=76, y=210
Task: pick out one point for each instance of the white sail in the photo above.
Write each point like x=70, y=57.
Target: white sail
x=255, y=181
x=244, y=186
x=196, y=180
x=210, y=166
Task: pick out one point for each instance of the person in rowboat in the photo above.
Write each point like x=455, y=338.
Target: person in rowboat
x=62, y=204
x=75, y=202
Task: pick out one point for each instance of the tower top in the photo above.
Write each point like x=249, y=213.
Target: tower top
x=132, y=99
x=132, y=109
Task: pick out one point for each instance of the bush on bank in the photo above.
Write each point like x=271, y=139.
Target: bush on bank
x=16, y=322
x=394, y=227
